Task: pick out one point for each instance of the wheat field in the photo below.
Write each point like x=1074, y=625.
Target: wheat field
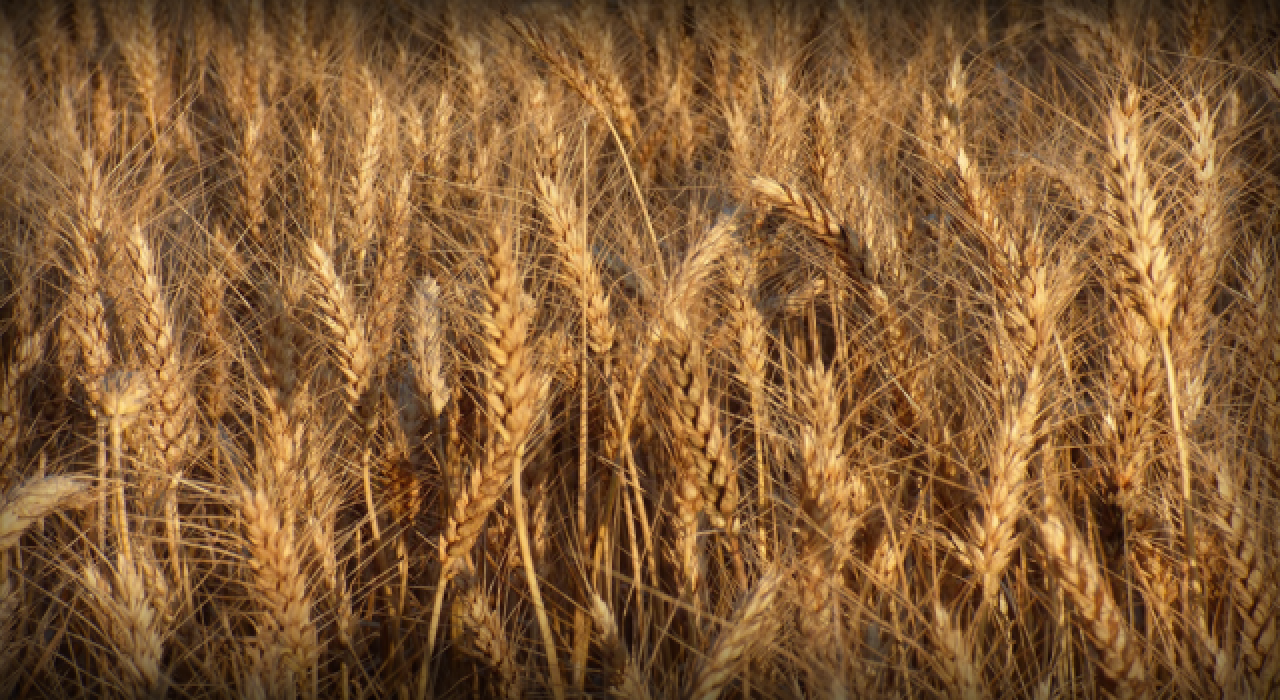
x=650, y=349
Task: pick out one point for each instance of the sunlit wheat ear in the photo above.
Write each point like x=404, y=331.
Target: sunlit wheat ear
x=124, y=613
x=961, y=677
x=570, y=236
x=832, y=501
x=1148, y=281
x=427, y=341
x=697, y=420
x=1117, y=643
x=487, y=638
x=280, y=583
x=592, y=37
x=173, y=422
x=511, y=398
x=1209, y=243
x=749, y=632
x=36, y=498
x=362, y=200
x=822, y=223
x=622, y=675
x=337, y=307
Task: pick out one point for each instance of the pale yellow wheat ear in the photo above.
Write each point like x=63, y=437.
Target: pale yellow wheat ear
x=622, y=675
x=961, y=676
x=338, y=312
x=1118, y=645
x=513, y=397
x=832, y=501
x=707, y=470
x=1140, y=246
x=172, y=424
x=487, y=638
x=749, y=632
x=427, y=336
x=286, y=628
x=822, y=223
x=33, y=499
x=125, y=614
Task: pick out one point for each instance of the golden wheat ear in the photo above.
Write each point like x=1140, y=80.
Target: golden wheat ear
x=1117, y=642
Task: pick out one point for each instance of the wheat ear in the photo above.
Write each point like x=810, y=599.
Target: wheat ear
x=512, y=398
x=280, y=583
x=363, y=204
x=129, y=620
x=483, y=628
x=753, y=360
x=622, y=675
x=709, y=476
x=961, y=675
x=1150, y=284
x=832, y=500
x=1209, y=242
x=427, y=343
x=1262, y=346
x=751, y=629
x=1078, y=572
x=338, y=311
x=173, y=403
x=35, y=498
x=570, y=237
x=822, y=222
x=1254, y=592
x=25, y=358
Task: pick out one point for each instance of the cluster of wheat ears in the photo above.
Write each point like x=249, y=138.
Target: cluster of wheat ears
x=642, y=349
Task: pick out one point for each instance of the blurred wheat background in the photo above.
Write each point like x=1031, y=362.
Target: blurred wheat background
x=643, y=349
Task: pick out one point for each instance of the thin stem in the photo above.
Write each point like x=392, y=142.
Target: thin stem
x=644, y=210
x=1184, y=462
x=436, y=605
x=526, y=553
